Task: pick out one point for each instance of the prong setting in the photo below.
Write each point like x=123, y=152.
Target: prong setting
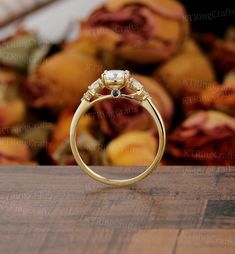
x=115, y=80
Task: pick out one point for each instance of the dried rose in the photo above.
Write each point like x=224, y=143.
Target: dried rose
x=188, y=72
x=9, y=84
x=83, y=45
x=35, y=134
x=160, y=97
x=229, y=78
x=62, y=79
x=90, y=149
x=135, y=148
x=230, y=34
x=12, y=107
x=142, y=31
x=222, y=52
x=14, y=151
x=11, y=113
x=118, y=116
x=206, y=137
x=219, y=97
x=223, y=55
x=59, y=146
x=213, y=96
x=16, y=52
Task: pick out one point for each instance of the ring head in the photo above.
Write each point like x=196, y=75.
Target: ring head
x=115, y=79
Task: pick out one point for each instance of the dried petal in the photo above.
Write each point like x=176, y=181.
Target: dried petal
x=136, y=148
x=206, y=137
x=222, y=52
x=214, y=96
x=118, y=116
x=219, y=97
x=59, y=146
x=35, y=134
x=160, y=97
x=11, y=113
x=37, y=57
x=230, y=78
x=9, y=84
x=187, y=72
x=17, y=51
x=12, y=107
x=142, y=31
x=62, y=79
x=14, y=151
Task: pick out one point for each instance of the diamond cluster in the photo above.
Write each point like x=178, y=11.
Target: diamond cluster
x=115, y=80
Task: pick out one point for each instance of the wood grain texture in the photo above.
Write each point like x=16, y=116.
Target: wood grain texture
x=47, y=210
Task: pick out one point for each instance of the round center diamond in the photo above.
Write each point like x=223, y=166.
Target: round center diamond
x=114, y=75
x=114, y=79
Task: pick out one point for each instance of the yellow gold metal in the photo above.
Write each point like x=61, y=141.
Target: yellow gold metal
x=142, y=98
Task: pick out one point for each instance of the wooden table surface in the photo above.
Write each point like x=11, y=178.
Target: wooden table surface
x=53, y=210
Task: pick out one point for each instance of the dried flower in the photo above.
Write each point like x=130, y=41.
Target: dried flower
x=12, y=107
x=221, y=98
x=223, y=55
x=222, y=52
x=229, y=78
x=59, y=146
x=160, y=97
x=62, y=79
x=135, y=148
x=35, y=134
x=214, y=96
x=14, y=151
x=142, y=31
x=118, y=116
x=186, y=73
x=16, y=52
x=11, y=113
x=206, y=137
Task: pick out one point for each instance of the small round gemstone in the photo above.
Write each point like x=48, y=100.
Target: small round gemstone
x=115, y=93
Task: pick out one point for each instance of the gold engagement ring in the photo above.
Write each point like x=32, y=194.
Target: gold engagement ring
x=115, y=81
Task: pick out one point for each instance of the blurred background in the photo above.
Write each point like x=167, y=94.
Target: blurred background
x=182, y=51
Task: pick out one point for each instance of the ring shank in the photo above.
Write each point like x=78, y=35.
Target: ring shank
x=149, y=106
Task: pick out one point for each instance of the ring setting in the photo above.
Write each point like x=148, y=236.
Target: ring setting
x=115, y=81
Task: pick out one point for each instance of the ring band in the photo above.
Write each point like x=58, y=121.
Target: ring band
x=114, y=81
